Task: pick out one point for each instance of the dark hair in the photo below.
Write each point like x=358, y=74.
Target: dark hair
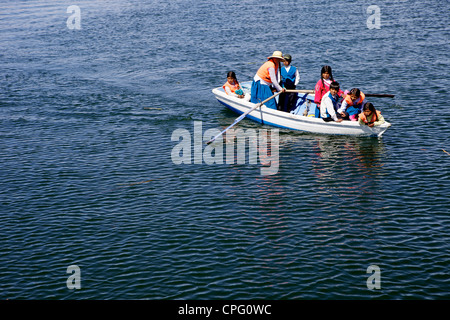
x=334, y=85
x=231, y=74
x=369, y=106
x=326, y=69
x=355, y=92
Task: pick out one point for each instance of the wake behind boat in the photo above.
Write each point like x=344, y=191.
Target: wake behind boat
x=296, y=120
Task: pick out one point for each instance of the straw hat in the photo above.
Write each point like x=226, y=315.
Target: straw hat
x=277, y=54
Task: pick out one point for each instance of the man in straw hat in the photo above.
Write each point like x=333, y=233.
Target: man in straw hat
x=267, y=78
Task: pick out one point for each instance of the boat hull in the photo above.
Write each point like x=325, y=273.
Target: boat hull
x=297, y=122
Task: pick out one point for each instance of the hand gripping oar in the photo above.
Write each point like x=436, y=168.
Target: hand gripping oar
x=242, y=116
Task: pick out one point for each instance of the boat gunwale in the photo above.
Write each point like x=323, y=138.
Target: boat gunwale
x=294, y=117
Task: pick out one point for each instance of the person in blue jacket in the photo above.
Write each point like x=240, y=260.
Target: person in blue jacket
x=290, y=78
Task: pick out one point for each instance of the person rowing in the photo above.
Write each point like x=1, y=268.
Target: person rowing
x=266, y=78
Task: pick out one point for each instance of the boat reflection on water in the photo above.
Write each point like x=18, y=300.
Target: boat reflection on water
x=363, y=152
x=350, y=166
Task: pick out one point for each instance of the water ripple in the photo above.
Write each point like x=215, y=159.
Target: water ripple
x=88, y=179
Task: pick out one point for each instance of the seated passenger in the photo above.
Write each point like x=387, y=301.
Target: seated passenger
x=352, y=104
x=232, y=86
x=329, y=104
x=370, y=116
x=323, y=86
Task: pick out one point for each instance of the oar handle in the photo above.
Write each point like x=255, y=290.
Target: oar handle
x=375, y=95
x=380, y=95
x=299, y=91
x=242, y=116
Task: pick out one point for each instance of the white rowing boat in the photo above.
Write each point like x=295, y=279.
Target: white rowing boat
x=296, y=120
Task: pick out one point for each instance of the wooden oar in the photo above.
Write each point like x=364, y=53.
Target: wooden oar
x=377, y=95
x=242, y=116
x=380, y=95
x=299, y=91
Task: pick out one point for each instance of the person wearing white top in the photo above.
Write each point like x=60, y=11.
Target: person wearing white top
x=329, y=104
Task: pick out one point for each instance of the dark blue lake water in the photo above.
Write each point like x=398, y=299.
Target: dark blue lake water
x=87, y=177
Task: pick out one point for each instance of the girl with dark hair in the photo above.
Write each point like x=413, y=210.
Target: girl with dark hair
x=370, y=116
x=323, y=86
x=352, y=104
x=232, y=86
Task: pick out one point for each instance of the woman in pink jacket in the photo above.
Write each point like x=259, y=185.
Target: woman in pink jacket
x=323, y=86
